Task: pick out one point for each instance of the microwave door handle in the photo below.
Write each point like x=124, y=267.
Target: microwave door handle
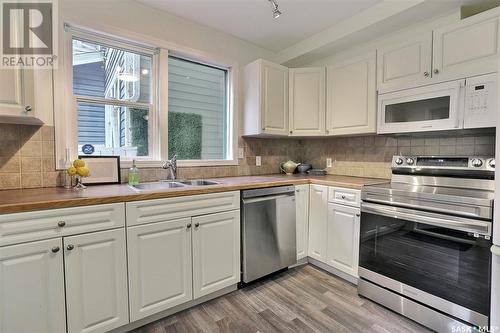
x=475, y=227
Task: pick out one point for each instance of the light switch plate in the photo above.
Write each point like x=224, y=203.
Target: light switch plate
x=258, y=161
x=241, y=153
x=328, y=162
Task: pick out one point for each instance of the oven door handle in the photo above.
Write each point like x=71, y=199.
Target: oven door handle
x=438, y=220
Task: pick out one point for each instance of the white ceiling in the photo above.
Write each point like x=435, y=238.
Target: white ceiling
x=252, y=20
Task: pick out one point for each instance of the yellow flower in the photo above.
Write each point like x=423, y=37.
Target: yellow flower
x=71, y=171
x=79, y=163
x=83, y=171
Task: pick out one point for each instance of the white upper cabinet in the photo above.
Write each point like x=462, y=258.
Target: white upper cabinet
x=318, y=215
x=96, y=281
x=265, y=98
x=216, y=252
x=17, y=97
x=307, y=101
x=351, y=96
x=159, y=263
x=467, y=48
x=32, y=288
x=302, y=219
x=406, y=64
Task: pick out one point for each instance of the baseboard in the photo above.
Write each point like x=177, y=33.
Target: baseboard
x=169, y=312
x=334, y=271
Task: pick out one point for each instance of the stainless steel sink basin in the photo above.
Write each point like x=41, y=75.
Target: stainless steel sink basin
x=198, y=182
x=157, y=186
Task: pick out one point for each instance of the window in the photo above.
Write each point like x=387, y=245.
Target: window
x=198, y=124
x=114, y=100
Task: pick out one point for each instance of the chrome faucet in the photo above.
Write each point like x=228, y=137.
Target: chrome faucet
x=171, y=165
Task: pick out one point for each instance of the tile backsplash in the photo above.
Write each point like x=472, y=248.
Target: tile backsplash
x=27, y=155
x=370, y=156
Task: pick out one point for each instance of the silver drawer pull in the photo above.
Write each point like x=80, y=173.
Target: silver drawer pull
x=55, y=249
x=61, y=224
x=70, y=247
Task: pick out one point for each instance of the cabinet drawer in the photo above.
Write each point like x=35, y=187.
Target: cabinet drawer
x=148, y=211
x=24, y=227
x=344, y=196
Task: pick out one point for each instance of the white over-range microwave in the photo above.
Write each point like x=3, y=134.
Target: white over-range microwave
x=460, y=104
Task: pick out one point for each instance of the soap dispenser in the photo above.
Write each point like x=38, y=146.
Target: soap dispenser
x=133, y=174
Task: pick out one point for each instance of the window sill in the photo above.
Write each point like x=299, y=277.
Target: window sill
x=182, y=163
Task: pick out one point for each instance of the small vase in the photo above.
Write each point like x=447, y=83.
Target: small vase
x=79, y=185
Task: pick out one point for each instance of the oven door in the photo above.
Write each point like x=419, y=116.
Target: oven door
x=439, y=260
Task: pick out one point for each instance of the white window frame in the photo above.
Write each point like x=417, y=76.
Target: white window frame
x=232, y=138
x=66, y=131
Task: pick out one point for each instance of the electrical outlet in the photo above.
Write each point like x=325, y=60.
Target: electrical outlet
x=328, y=162
x=241, y=153
x=258, y=161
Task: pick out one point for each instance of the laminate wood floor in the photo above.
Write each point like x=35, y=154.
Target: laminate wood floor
x=303, y=299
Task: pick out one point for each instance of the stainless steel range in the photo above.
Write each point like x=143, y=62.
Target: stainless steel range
x=425, y=240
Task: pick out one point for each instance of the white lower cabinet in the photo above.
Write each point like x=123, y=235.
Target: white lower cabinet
x=302, y=219
x=343, y=238
x=32, y=288
x=216, y=252
x=159, y=263
x=96, y=281
x=318, y=214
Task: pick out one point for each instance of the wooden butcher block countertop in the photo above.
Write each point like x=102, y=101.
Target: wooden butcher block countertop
x=12, y=201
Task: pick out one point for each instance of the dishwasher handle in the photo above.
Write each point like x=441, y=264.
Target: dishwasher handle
x=266, y=198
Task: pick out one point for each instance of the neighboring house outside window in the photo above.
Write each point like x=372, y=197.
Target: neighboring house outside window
x=113, y=94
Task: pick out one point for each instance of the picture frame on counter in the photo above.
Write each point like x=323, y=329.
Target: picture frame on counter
x=104, y=170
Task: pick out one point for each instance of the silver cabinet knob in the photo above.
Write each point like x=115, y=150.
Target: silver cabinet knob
x=28, y=108
x=358, y=215
x=70, y=247
x=55, y=249
x=291, y=132
x=61, y=224
x=188, y=226
x=343, y=197
x=426, y=74
x=196, y=225
x=436, y=71
x=477, y=162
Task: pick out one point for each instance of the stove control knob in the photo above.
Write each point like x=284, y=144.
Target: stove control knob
x=410, y=161
x=491, y=163
x=399, y=161
x=477, y=162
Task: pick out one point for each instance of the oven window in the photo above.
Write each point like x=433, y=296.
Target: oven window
x=421, y=110
x=449, y=264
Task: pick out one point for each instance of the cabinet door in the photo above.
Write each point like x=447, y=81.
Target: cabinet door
x=318, y=213
x=343, y=238
x=307, y=101
x=216, y=252
x=406, y=64
x=302, y=218
x=32, y=288
x=96, y=281
x=159, y=266
x=351, y=96
x=274, y=98
x=16, y=93
x=467, y=48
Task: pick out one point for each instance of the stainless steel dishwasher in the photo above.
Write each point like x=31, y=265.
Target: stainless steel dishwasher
x=268, y=231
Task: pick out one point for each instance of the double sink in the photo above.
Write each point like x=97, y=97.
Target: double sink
x=165, y=185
